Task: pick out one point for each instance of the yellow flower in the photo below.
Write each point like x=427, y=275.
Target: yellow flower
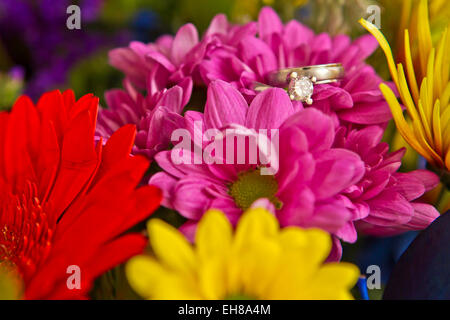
x=409, y=18
x=428, y=130
x=257, y=261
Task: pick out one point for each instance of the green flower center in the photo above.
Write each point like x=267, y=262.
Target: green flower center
x=251, y=186
x=239, y=296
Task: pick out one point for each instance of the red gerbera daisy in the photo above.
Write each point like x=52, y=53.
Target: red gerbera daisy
x=64, y=200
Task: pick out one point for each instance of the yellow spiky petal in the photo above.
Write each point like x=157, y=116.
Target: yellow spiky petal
x=428, y=105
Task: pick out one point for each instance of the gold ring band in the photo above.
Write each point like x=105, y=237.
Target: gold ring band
x=330, y=72
x=300, y=81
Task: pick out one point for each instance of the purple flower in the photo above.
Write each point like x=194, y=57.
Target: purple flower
x=17, y=73
x=332, y=170
x=155, y=115
x=306, y=190
x=387, y=199
x=327, y=177
x=169, y=62
x=356, y=99
x=48, y=50
x=171, y=59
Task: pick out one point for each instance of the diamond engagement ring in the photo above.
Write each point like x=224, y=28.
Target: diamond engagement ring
x=300, y=81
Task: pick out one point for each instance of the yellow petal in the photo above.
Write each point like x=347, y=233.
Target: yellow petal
x=445, y=97
x=437, y=127
x=406, y=96
x=171, y=247
x=439, y=84
x=143, y=274
x=410, y=69
x=214, y=235
x=259, y=267
x=445, y=125
x=177, y=287
x=405, y=16
x=213, y=278
x=303, y=251
x=234, y=264
x=424, y=35
x=400, y=121
x=424, y=98
x=424, y=124
x=437, y=6
x=446, y=59
x=315, y=244
x=295, y=271
x=431, y=155
x=255, y=223
x=151, y=280
x=430, y=77
x=334, y=280
x=384, y=45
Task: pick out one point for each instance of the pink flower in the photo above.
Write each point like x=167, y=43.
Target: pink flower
x=171, y=59
x=155, y=115
x=307, y=190
x=333, y=172
x=356, y=99
x=171, y=62
x=386, y=198
x=327, y=178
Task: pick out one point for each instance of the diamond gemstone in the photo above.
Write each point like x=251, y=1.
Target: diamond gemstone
x=300, y=89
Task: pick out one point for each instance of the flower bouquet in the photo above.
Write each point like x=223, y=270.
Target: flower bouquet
x=254, y=159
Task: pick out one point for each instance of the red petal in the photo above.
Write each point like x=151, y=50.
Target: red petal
x=21, y=141
x=79, y=162
x=52, y=110
x=106, y=258
x=117, y=149
x=48, y=161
